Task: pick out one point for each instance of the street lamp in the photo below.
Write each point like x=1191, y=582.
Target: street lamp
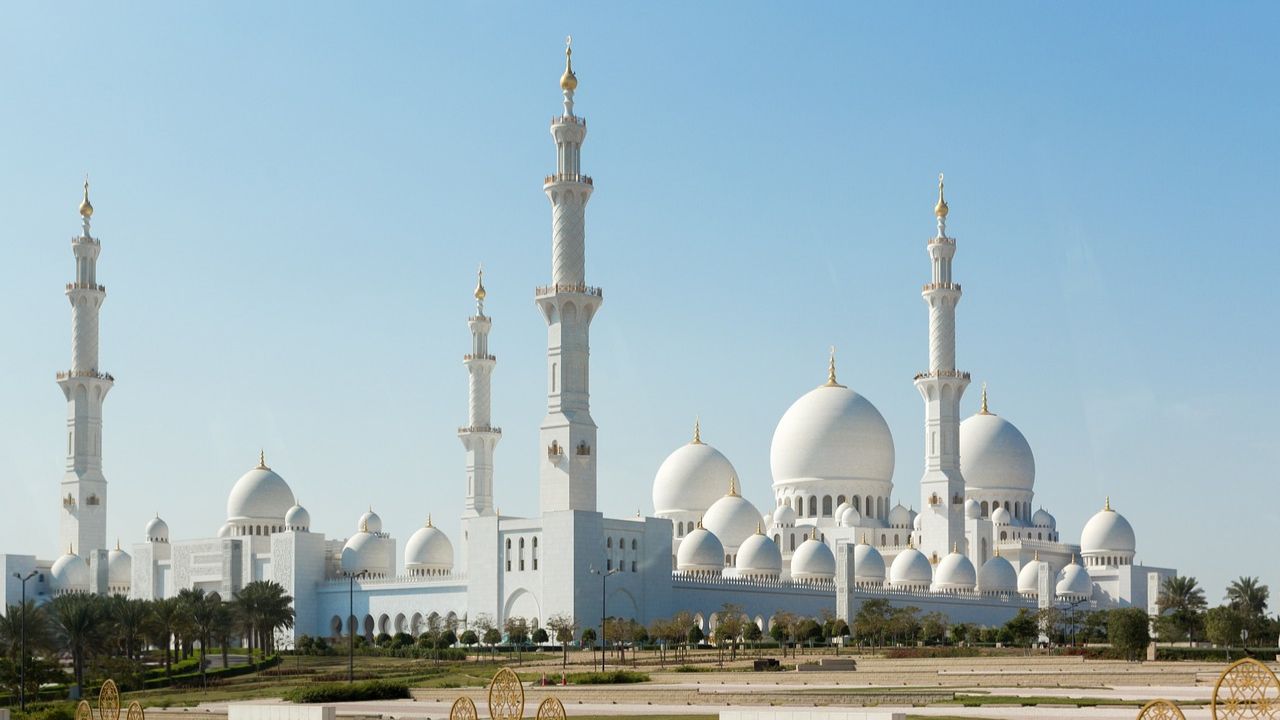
x=603, y=600
x=351, y=620
x=22, y=662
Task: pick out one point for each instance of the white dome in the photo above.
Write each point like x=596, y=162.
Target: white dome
x=759, y=556
x=370, y=522
x=994, y=455
x=732, y=519
x=832, y=433
x=428, y=549
x=1074, y=581
x=840, y=509
x=701, y=552
x=784, y=516
x=259, y=494
x=1000, y=516
x=1042, y=518
x=917, y=523
x=225, y=530
x=868, y=564
x=69, y=574
x=358, y=554
x=691, y=479
x=972, y=509
x=1029, y=577
x=1108, y=532
x=850, y=517
x=297, y=518
x=119, y=568
x=157, y=530
x=955, y=572
x=997, y=576
x=900, y=516
x=813, y=560
x=910, y=568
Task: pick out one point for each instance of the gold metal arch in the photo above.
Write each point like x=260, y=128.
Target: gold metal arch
x=506, y=696
x=84, y=711
x=463, y=709
x=136, y=712
x=109, y=701
x=551, y=709
x=1246, y=689
x=1160, y=710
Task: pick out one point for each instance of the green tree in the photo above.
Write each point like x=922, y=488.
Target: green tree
x=1181, y=602
x=1248, y=596
x=469, y=638
x=1222, y=625
x=1023, y=628
x=1128, y=629
x=517, y=629
x=261, y=608
x=871, y=624
x=163, y=624
x=82, y=626
x=563, y=628
x=729, y=628
x=933, y=628
x=492, y=636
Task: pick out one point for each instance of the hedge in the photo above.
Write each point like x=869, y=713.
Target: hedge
x=342, y=692
x=612, y=677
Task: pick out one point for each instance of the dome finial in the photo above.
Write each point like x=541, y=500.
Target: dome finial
x=480, y=293
x=955, y=547
x=117, y=543
x=429, y=520
x=984, y=410
x=733, y=486
x=1036, y=557
x=86, y=208
x=831, y=369
x=697, y=430
x=760, y=528
x=995, y=551
x=262, y=460
x=910, y=543
x=568, y=81
x=941, y=208
x=699, y=523
x=1107, y=507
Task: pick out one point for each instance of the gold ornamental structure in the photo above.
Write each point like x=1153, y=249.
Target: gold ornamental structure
x=1160, y=710
x=108, y=706
x=1246, y=689
x=506, y=702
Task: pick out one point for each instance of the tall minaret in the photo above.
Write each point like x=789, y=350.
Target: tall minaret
x=942, y=487
x=567, y=456
x=83, y=523
x=479, y=436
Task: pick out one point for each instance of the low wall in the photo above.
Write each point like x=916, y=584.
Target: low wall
x=249, y=711
x=812, y=715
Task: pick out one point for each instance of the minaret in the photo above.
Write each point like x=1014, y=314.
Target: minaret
x=942, y=487
x=84, y=489
x=479, y=436
x=567, y=463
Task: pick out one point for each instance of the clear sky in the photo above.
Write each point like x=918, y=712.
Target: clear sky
x=292, y=200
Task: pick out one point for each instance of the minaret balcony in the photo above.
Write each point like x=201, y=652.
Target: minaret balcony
x=578, y=288
x=941, y=286
x=479, y=429
x=67, y=374
x=85, y=240
x=86, y=286
x=961, y=374
x=471, y=356
x=942, y=240
x=568, y=120
x=568, y=177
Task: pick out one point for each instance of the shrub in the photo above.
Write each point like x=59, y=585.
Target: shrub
x=342, y=692
x=612, y=677
x=48, y=711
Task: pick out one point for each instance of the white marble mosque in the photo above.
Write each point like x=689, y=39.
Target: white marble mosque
x=977, y=548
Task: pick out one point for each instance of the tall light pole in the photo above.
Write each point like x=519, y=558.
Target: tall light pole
x=351, y=621
x=22, y=662
x=603, y=601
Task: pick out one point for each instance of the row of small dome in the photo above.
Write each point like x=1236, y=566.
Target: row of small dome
x=70, y=572
x=701, y=553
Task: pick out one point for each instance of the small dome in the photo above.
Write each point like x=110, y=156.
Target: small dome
x=868, y=564
x=691, y=479
x=784, y=516
x=1000, y=516
x=900, y=516
x=910, y=569
x=972, y=509
x=357, y=554
x=701, y=552
x=1074, y=581
x=69, y=574
x=259, y=495
x=1029, y=577
x=157, y=530
x=297, y=518
x=732, y=519
x=428, y=550
x=917, y=523
x=994, y=455
x=832, y=433
x=119, y=568
x=225, y=530
x=840, y=509
x=759, y=556
x=813, y=560
x=850, y=517
x=997, y=576
x=1042, y=518
x=370, y=522
x=955, y=572
x=1108, y=532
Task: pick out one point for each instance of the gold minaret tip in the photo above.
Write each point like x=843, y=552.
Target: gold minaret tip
x=864, y=538
x=117, y=543
x=568, y=81
x=480, y=283
x=70, y=551
x=910, y=544
x=984, y=410
x=941, y=208
x=697, y=430
x=86, y=208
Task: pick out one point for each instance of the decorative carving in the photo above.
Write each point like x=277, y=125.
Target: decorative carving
x=1160, y=710
x=1246, y=689
x=554, y=450
x=551, y=709
x=135, y=712
x=506, y=696
x=463, y=709
x=109, y=701
x=84, y=711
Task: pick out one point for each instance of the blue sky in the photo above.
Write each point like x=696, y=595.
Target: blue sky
x=293, y=198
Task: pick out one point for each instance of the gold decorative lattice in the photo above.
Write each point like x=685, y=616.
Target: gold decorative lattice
x=463, y=709
x=109, y=701
x=135, y=712
x=551, y=709
x=1246, y=689
x=1160, y=710
x=84, y=711
x=506, y=696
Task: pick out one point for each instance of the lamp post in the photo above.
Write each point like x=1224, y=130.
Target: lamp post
x=351, y=620
x=22, y=662
x=603, y=600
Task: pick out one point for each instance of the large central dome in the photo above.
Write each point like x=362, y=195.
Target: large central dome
x=832, y=433
x=259, y=494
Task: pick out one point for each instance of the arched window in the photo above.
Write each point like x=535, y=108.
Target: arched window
x=883, y=539
x=634, y=546
x=813, y=505
x=680, y=529
x=777, y=540
x=791, y=545
x=522, y=553
x=857, y=503
x=826, y=506
x=984, y=508
x=895, y=539
x=608, y=542
x=1004, y=535
x=839, y=500
x=800, y=507
x=608, y=564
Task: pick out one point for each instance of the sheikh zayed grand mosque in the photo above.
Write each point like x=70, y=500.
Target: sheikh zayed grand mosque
x=975, y=550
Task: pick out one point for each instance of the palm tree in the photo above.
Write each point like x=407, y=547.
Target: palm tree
x=261, y=608
x=202, y=614
x=130, y=618
x=81, y=625
x=1183, y=600
x=1248, y=596
x=166, y=619
x=40, y=634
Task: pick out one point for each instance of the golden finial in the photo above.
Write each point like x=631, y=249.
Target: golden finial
x=117, y=543
x=996, y=551
x=429, y=520
x=910, y=545
x=831, y=369
x=699, y=523
x=1073, y=558
x=262, y=460
x=864, y=538
x=480, y=283
x=759, y=528
x=70, y=551
x=1037, y=556
x=1107, y=507
x=984, y=410
x=733, y=486
x=941, y=208
x=86, y=208
x=364, y=525
x=955, y=547
x=568, y=81
x=697, y=430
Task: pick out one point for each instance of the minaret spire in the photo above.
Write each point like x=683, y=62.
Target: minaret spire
x=568, y=81
x=84, y=385
x=478, y=436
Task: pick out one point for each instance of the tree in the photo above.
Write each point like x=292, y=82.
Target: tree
x=540, y=637
x=517, y=629
x=164, y=621
x=729, y=628
x=872, y=622
x=904, y=624
x=1222, y=625
x=1181, y=602
x=262, y=607
x=1249, y=597
x=780, y=629
x=752, y=633
x=492, y=636
x=1023, y=628
x=81, y=625
x=1128, y=629
x=933, y=628
x=589, y=640
x=563, y=629
x=469, y=638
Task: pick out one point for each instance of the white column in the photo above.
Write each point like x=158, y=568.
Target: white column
x=479, y=437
